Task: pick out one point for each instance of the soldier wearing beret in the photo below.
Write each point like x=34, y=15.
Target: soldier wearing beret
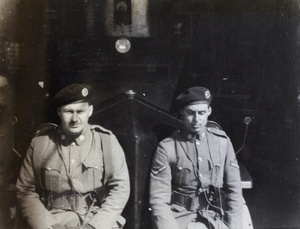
x=195, y=178
x=75, y=174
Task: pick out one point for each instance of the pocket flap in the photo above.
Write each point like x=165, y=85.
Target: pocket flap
x=94, y=163
x=52, y=165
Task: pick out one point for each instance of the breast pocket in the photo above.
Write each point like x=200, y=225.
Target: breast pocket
x=184, y=173
x=184, y=176
x=92, y=173
x=52, y=175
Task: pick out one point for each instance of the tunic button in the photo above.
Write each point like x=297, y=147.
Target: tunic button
x=63, y=137
x=200, y=175
x=72, y=161
x=180, y=168
x=81, y=137
x=73, y=144
x=200, y=159
x=198, y=142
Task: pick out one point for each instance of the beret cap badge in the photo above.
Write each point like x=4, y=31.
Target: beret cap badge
x=207, y=94
x=85, y=92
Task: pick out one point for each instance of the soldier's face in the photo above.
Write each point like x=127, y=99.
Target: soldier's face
x=195, y=117
x=75, y=116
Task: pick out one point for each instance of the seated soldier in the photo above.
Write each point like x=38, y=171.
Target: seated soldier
x=74, y=175
x=190, y=168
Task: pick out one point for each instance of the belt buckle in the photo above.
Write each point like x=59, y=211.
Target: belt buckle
x=200, y=190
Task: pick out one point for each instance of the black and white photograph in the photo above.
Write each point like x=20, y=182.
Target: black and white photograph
x=149, y=114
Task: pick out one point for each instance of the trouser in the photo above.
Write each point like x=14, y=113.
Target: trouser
x=206, y=224
x=71, y=219
x=67, y=218
x=203, y=219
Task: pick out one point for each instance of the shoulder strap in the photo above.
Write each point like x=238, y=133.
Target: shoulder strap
x=217, y=132
x=174, y=159
x=45, y=128
x=107, y=157
x=38, y=155
x=105, y=141
x=217, y=142
x=172, y=156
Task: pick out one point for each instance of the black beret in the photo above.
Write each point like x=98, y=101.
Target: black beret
x=193, y=95
x=70, y=94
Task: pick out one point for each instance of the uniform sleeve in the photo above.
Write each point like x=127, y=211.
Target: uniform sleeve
x=160, y=191
x=118, y=190
x=29, y=204
x=233, y=190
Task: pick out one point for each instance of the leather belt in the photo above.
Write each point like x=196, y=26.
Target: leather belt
x=190, y=202
x=72, y=202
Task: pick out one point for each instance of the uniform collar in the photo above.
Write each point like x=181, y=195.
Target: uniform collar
x=192, y=137
x=68, y=139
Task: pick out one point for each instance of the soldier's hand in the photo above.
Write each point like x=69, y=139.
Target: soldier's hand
x=58, y=226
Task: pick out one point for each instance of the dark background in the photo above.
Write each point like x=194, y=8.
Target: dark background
x=246, y=52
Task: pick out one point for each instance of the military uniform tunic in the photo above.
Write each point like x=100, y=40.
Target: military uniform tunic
x=58, y=164
x=186, y=164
